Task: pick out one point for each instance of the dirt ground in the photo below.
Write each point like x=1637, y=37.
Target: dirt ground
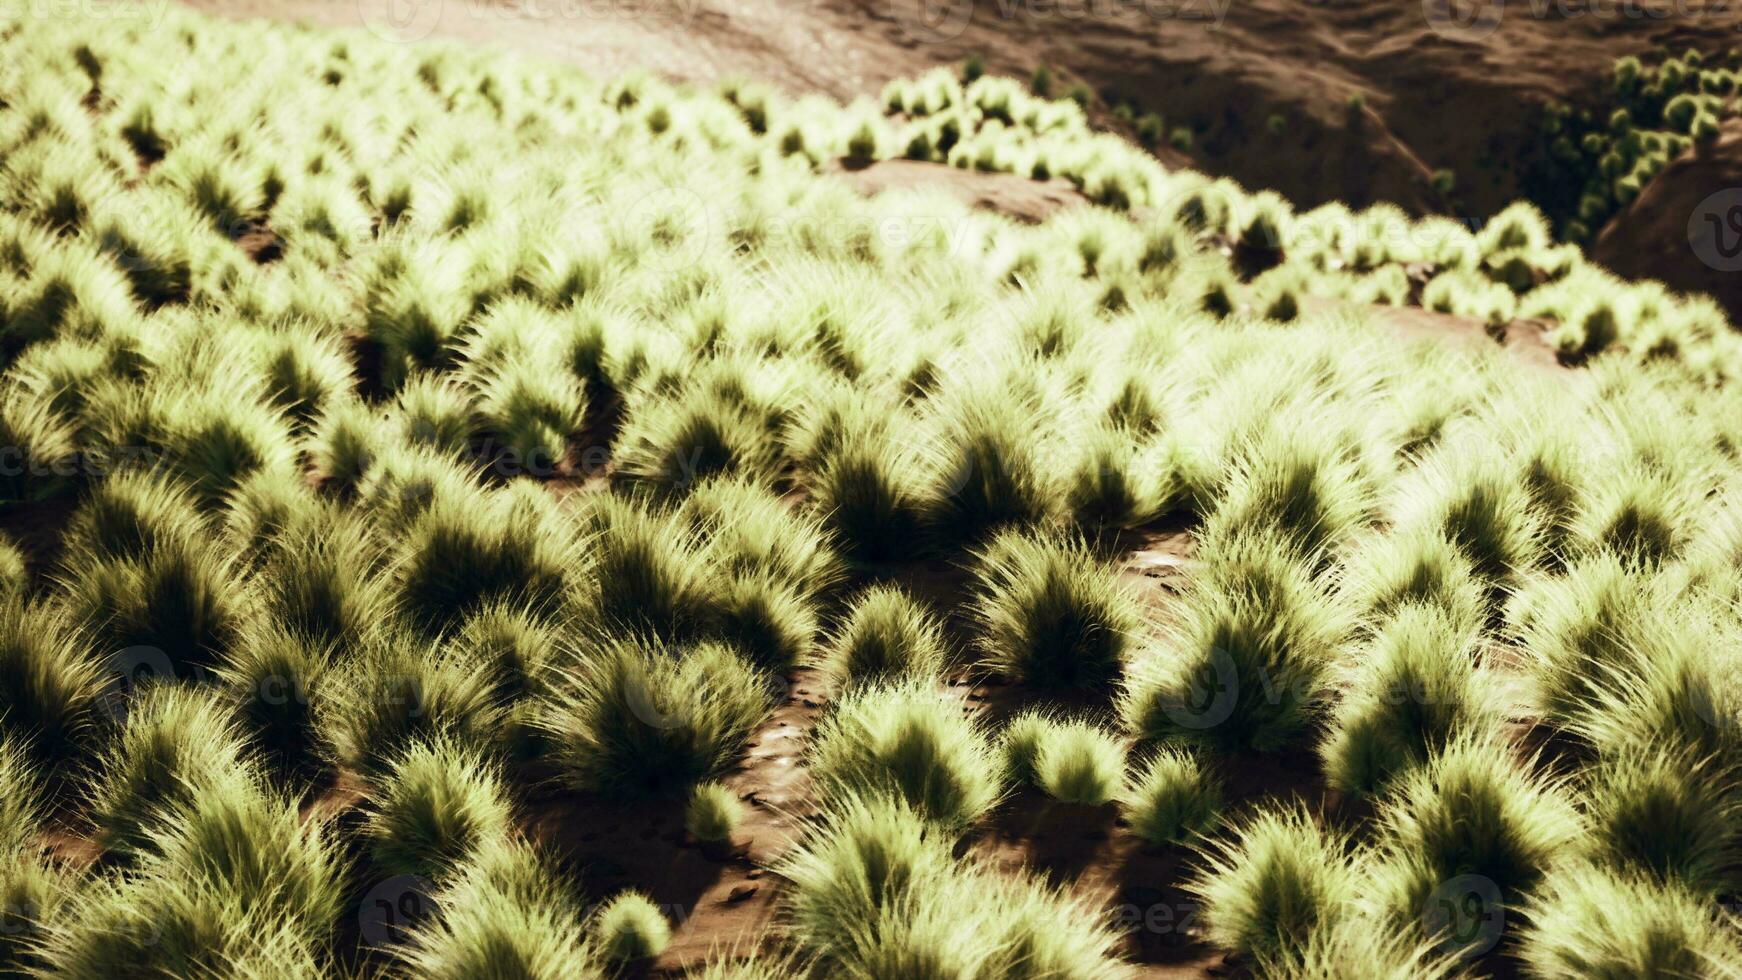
x=1456, y=87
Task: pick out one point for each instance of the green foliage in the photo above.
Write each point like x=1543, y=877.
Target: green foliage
x=911, y=743
x=1050, y=613
x=632, y=720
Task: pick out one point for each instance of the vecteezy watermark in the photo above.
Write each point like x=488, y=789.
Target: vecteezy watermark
x=400, y=20
x=1467, y=914
x=1715, y=230
x=942, y=21
x=393, y=907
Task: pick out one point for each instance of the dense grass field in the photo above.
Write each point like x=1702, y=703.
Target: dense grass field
x=407, y=446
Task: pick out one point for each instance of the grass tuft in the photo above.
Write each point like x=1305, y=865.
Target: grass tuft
x=632, y=720
x=911, y=742
x=434, y=809
x=1174, y=800
x=1050, y=613
x=886, y=635
x=630, y=928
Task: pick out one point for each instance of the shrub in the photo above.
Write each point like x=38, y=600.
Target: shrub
x=673, y=443
x=1580, y=630
x=23, y=804
x=323, y=578
x=182, y=598
x=50, y=685
x=533, y=412
x=1470, y=810
x=252, y=848
x=1393, y=571
x=399, y=690
x=1049, y=613
x=1115, y=483
x=460, y=555
x=649, y=572
x=630, y=928
x=1270, y=883
x=1416, y=688
x=274, y=677
x=748, y=530
x=504, y=912
x=886, y=635
x=713, y=812
x=990, y=472
x=1174, y=799
x=871, y=493
x=435, y=807
x=1592, y=923
x=130, y=515
x=433, y=410
x=1665, y=814
x=1678, y=689
x=1080, y=763
x=910, y=742
x=1303, y=488
x=875, y=892
x=176, y=742
x=631, y=720
x=1481, y=508
x=31, y=892
x=1246, y=667
x=161, y=925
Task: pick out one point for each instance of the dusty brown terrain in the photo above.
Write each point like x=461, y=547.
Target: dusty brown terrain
x=1439, y=88
x=1686, y=228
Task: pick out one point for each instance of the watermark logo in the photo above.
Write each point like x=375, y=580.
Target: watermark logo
x=1467, y=914
x=400, y=20
x=1463, y=20
x=933, y=21
x=1715, y=230
x=393, y=908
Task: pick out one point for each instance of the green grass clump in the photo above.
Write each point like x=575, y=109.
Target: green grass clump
x=176, y=743
x=1173, y=800
x=713, y=812
x=505, y=912
x=1246, y=667
x=274, y=677
x=1667, y=815
x=1481, y=507
x=460, y=555
x=183, y=598
x=630, y=928
x=399, y=690
x=1415, y=688
x=649, y=572
x=1050, y=613
x=1470, y=810
x=633, y=720
x=886, y=635
x=1591, y=923
x=990, y=473
x=437, y=805
x=910, y=742
x=876, y=892
x=1303, y=489
x=872, y=494
x=252, y=847
x=50, y=685
x=1270, y=883
x=1580, y=631
x=1425, y=568
x=1070, y=761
